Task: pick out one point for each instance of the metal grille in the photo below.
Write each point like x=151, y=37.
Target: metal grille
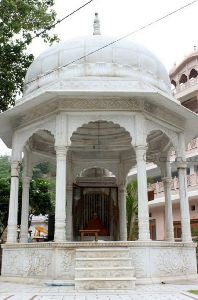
x=99, y=203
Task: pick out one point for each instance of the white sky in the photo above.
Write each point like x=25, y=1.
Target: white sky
x=170, y=39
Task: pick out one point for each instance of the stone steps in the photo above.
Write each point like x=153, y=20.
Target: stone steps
x=104, y=268
x=103, y=262
x=104, y=272
x=107, y=283
x=109, y=252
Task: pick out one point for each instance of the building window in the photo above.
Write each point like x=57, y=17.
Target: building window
x=193, y=74
x=192, y=207
x=173, y=84
x=150, y=215
x=152, y=227
x=177, y=230
x=183, y=79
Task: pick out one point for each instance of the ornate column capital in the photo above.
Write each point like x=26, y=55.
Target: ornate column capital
x=167, y=180
x=181, y=165
x=122, y=188
x=69, y=188
x=61, y=151
x=15, y=169
x=141, y=152
x=26, y=179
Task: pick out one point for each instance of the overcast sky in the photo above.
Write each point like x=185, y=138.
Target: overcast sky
x=170, y=39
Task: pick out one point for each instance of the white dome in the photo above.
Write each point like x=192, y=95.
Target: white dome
x=123, y=60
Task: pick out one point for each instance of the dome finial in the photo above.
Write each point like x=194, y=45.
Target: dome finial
x=96, y=25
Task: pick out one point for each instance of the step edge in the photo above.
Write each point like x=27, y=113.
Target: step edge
x=107, y=278
x=102, y=258
x=101, y=249
x=105, y=268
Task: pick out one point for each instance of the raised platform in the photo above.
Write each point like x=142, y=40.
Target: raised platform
x=152, y=261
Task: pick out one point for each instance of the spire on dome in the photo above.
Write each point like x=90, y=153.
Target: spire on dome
x=96, y=25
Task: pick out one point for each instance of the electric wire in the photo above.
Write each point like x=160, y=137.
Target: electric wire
x=59, y=21
x=115, y=41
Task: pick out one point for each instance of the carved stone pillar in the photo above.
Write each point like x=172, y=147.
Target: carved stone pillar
x=184, y=205
x=27, y=174
x=182, y=177
x=143, y=211
x=122, y=212
x=25, y=210
x=60, y=210
x=69, y=226
x=13, y=206
x=169, y=232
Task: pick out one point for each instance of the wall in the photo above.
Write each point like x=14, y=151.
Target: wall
x=158, y=215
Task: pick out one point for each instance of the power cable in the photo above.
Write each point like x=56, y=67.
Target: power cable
x=115, y=41
x=59, y=21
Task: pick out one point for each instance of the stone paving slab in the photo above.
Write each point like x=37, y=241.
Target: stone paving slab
x=13, y=291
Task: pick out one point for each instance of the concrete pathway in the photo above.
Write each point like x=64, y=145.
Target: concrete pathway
x=177, y=291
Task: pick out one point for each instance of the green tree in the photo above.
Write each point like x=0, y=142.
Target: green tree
x=40, y=198
x=132, y=209
x=4, y=166
x=20, y=21
x=4, y=202
x=4, y=191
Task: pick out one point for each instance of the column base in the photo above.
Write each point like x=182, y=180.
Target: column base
x=12, y=234
x=171, y=239
x=144, y=240
x=23, y=239
x=60, y=236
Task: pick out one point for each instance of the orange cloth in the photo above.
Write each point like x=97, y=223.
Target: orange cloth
x=95, y=223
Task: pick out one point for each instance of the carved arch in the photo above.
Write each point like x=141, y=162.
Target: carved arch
x=183, y=79
x=25, y=133
x=76, y=121
x=173, y=82
x=193, y=74
x=80, y=166
x=172, y=135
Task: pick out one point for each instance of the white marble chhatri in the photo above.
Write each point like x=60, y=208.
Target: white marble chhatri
x=96, y=114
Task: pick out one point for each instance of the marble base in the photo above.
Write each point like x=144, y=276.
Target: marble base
x=153, y=261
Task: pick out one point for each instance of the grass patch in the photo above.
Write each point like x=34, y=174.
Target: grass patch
x=195, y=292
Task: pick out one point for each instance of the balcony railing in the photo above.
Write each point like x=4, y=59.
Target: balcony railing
x=158, y=187
x=192, y=145
x=182, y=87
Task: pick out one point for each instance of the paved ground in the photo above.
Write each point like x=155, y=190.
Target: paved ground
x=177, y=291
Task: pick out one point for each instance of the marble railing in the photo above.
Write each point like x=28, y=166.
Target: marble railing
x=191, y=146
x=158, y=187
x=182, y=87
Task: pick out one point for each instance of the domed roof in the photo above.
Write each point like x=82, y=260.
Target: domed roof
x=78, y=59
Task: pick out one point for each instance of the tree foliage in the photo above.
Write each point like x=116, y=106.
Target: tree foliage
x=4, y=202
x=20, y=21
x=132, y=209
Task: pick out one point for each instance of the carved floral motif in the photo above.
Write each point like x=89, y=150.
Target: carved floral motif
x=174, y=262
x=11, y=263
x=37, y=263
